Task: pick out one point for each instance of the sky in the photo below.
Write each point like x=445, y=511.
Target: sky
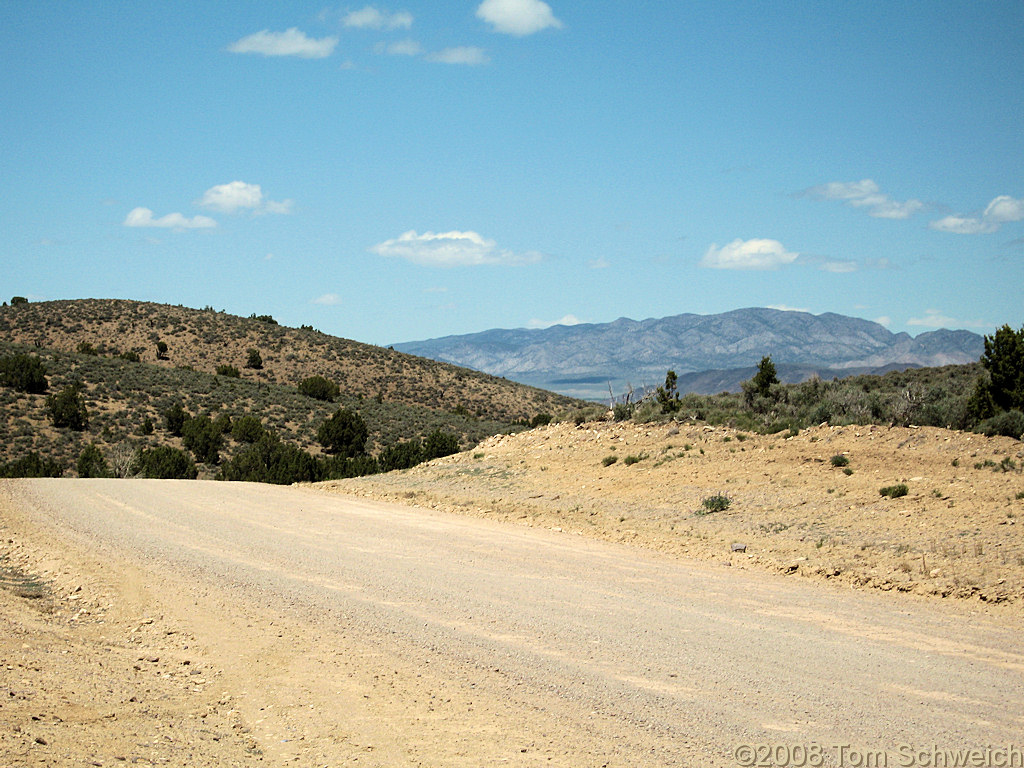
x=402, y=171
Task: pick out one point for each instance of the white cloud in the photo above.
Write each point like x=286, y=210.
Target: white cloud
x=469, y=55
x=518, y=17
x=291, y=42
x=934, y=318
x=239, y=196
x=566, y=320
x=964, y=225
x=275, y=206
x=787, y=308
x=401, y=48
x=884, y=320
x=372, y=18
x=866, y=194
x=143, y=217
x=450, y=249
x=328, y=299
x=839, y=266
x=229, y=198
x=599, y=263
x=758, y=253
x=1001, y=210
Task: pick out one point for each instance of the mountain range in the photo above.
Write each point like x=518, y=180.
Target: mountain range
x=709, y=353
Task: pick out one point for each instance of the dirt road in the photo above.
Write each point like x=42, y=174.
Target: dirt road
x=242, y=624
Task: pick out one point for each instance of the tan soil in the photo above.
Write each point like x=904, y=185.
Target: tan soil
x=109, y=656
x=958, y=533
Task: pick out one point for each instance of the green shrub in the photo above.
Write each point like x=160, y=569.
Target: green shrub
x=1007, y=424
x=338, y=467
x=228, y=370
x=255, y=360
x=607, y=461
x=631, y=459
x=344, y=434
x=439, y=443
x=319, y=388
x=270, y=461
x=91, y=462
x=894, y=491
x=717, y=503
x=401, y=455
x=847, y=471
x=201, y=436
x=1004, y=361
x=31, y=465
x=166, y=463
x=540, y=420
x=223, y=424
x=131, y=356
x=175, y=418
x=840, y=461
x=26, y=373
x=247, y=429
x=67, y=409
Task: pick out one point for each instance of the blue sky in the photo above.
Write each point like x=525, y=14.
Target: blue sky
x=392, y=172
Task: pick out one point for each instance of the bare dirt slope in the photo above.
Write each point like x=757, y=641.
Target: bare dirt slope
x=196, y=623
x=958, y=532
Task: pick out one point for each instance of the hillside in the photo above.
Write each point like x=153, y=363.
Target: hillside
x=204, y=339
x=582, y=360
x=399, y=396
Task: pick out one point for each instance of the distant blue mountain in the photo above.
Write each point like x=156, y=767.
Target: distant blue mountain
x=710, y=353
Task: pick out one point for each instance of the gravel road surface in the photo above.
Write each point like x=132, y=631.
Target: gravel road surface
x=354, y=632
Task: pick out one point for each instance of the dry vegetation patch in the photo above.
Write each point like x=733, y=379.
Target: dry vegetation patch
x=791, y=506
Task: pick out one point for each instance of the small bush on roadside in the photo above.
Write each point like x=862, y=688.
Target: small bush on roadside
x=91, y=462
x=201, y=436
x=621, y=412
x=717, y=503
x=401, y=455
x=439, y=443
x=268, y=460
x=166, y=463
x=31, y=465
x=540, y=420
x=894, y=491
x=1007, y=424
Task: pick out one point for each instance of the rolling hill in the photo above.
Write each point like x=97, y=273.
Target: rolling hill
x=109, y=347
